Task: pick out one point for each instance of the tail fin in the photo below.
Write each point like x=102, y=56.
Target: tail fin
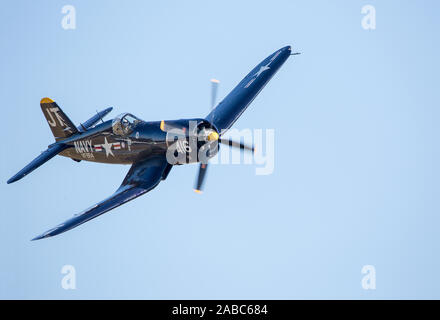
x=61, y=126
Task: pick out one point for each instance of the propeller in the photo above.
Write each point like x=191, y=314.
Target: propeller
x=211, y=136
x=236, y=144
x=201, y=177
x=214, y=89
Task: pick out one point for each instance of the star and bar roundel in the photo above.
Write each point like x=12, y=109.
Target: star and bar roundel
x=86, y=146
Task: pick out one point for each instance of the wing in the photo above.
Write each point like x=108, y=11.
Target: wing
x=227, y=112
x=38, y=161
x=142, y=177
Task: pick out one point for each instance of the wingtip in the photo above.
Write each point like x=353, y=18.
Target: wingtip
x=42, y=236
x=13, y=179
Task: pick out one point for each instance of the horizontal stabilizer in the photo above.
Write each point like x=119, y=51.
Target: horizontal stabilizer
x=89, y=133
x=38, y=161
x=94, y=120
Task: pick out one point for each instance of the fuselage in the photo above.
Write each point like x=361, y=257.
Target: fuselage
x=144, y=140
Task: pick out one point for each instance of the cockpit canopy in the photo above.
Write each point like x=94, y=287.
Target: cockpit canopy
x=123, y=124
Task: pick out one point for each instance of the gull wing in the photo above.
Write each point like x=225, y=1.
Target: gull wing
x=143, y=176
x=229, y=110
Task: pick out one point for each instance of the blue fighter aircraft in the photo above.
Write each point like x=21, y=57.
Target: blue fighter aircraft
x=151, y=147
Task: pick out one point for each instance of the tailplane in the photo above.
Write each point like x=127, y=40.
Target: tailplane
x=60, y=124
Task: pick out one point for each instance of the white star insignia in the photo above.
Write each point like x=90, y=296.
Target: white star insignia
x=108, y=147
x=262, y=69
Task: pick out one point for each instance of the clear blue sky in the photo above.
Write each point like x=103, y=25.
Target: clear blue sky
x=356, y=177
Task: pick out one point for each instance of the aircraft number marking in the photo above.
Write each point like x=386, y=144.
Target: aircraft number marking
x=52, y=122
x=182, y=146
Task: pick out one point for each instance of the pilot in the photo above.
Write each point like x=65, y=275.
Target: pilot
x=117, y=128
x=125, y=126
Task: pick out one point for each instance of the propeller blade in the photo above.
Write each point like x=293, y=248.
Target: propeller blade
x=214, y=88
x=201, y=177
x=213, y=136
x=238, y=145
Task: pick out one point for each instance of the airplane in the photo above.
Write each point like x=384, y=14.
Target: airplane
x=151, y=147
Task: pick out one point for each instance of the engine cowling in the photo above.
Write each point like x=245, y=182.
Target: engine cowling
x=190, y=141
